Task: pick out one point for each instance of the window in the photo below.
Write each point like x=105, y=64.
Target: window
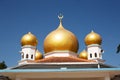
x=31, y=56
x=27, y=56
x=90, y=55
x=95, y=54
x=102, y=51
x=22, y=55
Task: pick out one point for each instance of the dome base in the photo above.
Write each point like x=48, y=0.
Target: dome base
x=61, y=54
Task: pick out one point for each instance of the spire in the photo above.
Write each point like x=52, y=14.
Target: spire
x=60, y=16
x=29, y=33
x=92, y=31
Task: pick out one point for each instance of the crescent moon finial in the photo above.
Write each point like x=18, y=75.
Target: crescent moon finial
x=60, y=16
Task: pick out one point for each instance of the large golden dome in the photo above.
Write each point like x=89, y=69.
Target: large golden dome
x=38, y=55
x=61, y=39
x=93, y=38
x=29, y=39
x=83, y=54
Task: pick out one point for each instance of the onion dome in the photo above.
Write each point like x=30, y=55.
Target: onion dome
x=93, y=38
x=83, y=54
x=29, y=39
x=61, y=39
x=38, y=55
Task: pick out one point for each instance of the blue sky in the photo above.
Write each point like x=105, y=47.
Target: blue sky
x=18, y=17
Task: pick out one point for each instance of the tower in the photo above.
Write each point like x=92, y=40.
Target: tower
x=29, y=50
x=93, y=46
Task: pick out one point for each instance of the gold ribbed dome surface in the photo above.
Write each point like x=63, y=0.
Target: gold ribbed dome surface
x=61, y=39
x=93, y=38
x=29, y=39
x=38, y=55
x=83, y=54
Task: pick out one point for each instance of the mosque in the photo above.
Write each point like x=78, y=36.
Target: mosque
x=60, y=60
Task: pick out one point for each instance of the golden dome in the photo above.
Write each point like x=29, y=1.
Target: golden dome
x=83, y=54
x=29, y=39
x=38, y=55
x=61, y=39
x=93, y=38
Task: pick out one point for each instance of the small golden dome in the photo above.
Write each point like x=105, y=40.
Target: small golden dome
x=93, y=38
x=83, y=54
x=38, y=55
x=61, y=39
x=29, y=39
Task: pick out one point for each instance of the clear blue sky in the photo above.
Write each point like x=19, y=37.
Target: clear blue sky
x=17, y=17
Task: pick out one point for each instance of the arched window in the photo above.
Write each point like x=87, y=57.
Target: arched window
x=90, y=55
x=31, y=56
x=22, y=55
x=95, y=54
x=102, y=51
x=27, y=56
